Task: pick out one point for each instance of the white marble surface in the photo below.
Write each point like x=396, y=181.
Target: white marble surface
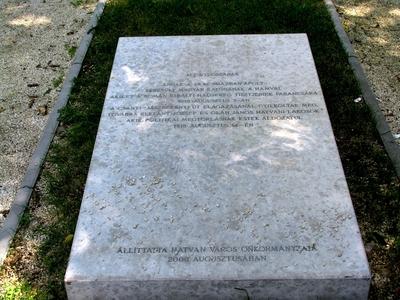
x=215, y=167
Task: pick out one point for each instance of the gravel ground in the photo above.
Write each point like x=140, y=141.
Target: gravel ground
x=37, y=43
x=373, y=27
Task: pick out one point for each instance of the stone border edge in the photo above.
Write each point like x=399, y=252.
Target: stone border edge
x=10, y=225
x=389, y=142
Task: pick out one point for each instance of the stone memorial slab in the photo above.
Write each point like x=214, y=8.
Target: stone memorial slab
x=215, y=175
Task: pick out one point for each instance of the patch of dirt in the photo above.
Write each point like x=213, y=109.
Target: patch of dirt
x=22, y=262
x=37, y=42
x=373, y=27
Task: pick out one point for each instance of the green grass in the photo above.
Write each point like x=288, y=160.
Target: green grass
x=57, y=81
x=20, y=290
x=76, y=3
x=25, y=219
x=71, y=50
x=371, y=178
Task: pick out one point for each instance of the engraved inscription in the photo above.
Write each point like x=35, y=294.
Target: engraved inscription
x=212, y=104
x=211, y=254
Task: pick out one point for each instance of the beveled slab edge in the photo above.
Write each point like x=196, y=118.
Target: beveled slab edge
x=191, y=289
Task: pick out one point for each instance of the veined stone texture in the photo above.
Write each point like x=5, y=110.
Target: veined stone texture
x=215, y=175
